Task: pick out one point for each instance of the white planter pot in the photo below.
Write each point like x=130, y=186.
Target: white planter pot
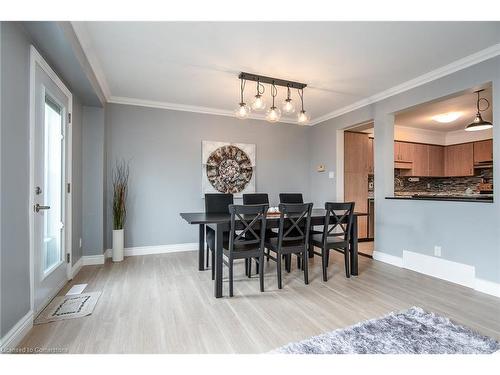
x=117, y=245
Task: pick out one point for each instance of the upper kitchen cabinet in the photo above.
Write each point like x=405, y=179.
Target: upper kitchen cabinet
x=403, y=152
x=459, y=160
x=356, y=152
x=371, y=162
x=436, y=161
x=420, y=165
x=483, y=151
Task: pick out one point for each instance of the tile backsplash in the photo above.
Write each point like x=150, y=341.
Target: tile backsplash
x=452, y=185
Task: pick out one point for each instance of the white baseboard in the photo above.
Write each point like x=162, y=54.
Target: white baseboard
x=488, y=287
x=91, y=260
x=388, y=258
x=75, y=268
x=161, y=249
x=481, y=285
x=17, y=333
x=458, y=273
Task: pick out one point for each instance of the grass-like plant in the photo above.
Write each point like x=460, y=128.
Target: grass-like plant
x=120, y=190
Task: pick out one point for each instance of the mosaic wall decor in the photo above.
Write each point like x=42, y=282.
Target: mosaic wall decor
x=228, y=167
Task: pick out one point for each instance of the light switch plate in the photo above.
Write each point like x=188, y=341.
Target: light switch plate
x=331, y=174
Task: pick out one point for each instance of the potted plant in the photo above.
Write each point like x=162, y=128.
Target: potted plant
x=120, y=190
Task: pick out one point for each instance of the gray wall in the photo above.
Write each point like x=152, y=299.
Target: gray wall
x=469, y=233
x=93, y=135
x=164, y=151
x=15, y=284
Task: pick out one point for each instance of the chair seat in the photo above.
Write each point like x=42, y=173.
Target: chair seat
x=332, y=241
x=242, y=250
x=286, y=246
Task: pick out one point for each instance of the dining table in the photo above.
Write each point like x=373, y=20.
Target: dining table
x=220, y=223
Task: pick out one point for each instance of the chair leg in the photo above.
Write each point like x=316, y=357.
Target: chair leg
x=305, y=266
x=213, y=264
x=327, y=258
x=207, y=257
x=324, y=262
x=346, y=262
x=230, y=276
x=268, y=253
x=261, y=274
x=257, y=266
x=246, y=266
x=278, y=268
x=298, y=263
x=249, y=267
x=288, y=262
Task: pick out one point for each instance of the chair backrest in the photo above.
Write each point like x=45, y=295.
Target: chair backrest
x=256, y=198
x=342, y=214
x=252, y=227
x=291, y=198
x=218, y=203
x=298, y=216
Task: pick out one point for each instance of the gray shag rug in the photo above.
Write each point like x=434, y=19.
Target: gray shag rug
x=413, y=331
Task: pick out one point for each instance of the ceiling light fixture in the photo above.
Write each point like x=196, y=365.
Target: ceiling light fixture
x=273, y=113
x=303, y=117
x=447, y=117
x=243, y=111
x=259, y=104
x=479, y=123
x=288, y=106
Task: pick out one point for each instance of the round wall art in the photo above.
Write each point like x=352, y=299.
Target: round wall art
x=229, y=169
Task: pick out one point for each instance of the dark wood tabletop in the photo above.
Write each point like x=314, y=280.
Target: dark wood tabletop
x=204, y=218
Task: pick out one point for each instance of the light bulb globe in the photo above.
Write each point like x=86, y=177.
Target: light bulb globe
x=303, y=118
x=273, y=114
x=259, y=104
x=288, y=106
x=243, y=111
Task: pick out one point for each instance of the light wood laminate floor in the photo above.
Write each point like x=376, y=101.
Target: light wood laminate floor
x=163, y=304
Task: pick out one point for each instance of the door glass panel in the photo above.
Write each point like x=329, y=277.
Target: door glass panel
x=53, y=186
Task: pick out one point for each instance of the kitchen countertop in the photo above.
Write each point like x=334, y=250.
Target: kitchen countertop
x=477, y=198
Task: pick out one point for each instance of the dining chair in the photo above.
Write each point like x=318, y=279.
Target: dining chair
x=258, y=198
x=291, y=198
x=335, y=236
x=246, y=240
x=293, y=236
x=215, y=203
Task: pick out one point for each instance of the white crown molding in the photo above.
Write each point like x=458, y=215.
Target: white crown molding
x=453, y=67
x=186, y=108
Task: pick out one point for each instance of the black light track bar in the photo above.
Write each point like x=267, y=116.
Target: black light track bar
x=271, y=80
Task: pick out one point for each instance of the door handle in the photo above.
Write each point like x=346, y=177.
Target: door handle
x=38, y=207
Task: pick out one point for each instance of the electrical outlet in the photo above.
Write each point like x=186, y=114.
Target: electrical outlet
x=437, y=251
x=331, y=174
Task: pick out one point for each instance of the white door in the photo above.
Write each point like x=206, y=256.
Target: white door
x=49, y=210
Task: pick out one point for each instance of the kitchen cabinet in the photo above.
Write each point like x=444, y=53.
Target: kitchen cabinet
x=356, y=169
x=459, y=160
x=403, y=151
x=436, y=161
x=356, y=152
x=420, y=165
x=356, y=190
x=370, y=156
x=483, y=151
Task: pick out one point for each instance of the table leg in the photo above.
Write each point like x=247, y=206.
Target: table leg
x=354, y=247
x=201, y=249
x=218, y=261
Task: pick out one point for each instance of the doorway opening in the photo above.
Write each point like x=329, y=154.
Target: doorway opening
x=359, y=179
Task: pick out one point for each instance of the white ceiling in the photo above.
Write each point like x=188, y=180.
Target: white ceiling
x=195, y=64
x=421, y=116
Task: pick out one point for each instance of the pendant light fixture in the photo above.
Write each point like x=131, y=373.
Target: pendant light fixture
x=273, y=113
x=288, y=106
x=243, y=111
x=303, y=117
x=479, y=123
x=259, y=104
